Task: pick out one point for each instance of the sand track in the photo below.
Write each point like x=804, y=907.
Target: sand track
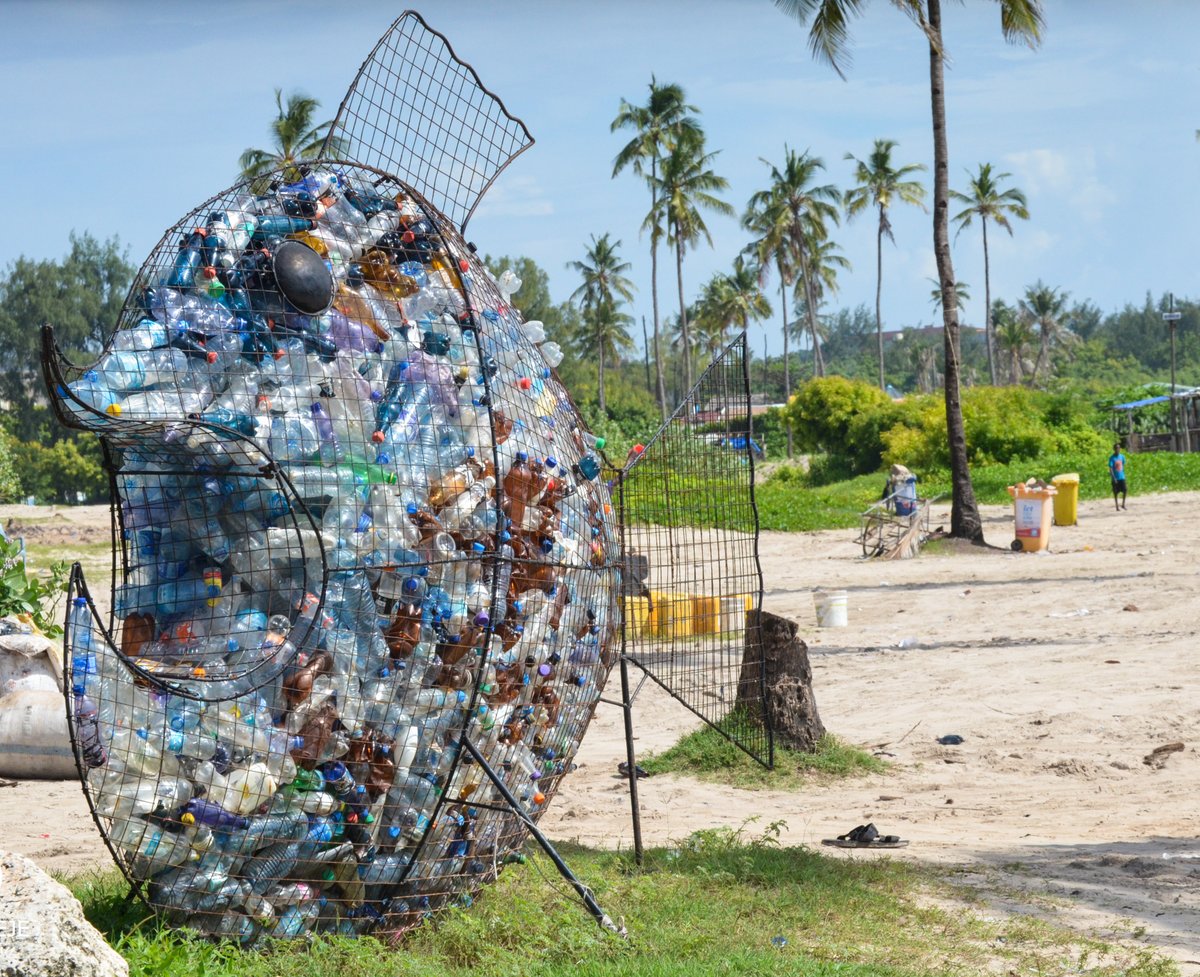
x=1058, y=689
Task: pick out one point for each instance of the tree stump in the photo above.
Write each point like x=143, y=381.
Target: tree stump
x=772, y=644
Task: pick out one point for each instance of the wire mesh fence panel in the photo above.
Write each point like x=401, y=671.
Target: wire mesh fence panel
x=690, y=539
x=358, y=522
x=416, y=111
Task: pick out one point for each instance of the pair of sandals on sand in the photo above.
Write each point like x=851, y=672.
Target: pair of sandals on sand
x=865, y=836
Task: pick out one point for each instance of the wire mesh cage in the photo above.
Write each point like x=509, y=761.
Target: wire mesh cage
x=689, y=530
x=360, y=522
x=367, y=560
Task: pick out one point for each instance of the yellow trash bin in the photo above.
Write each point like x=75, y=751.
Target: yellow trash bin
x=1066, y=503
x=1031, y=513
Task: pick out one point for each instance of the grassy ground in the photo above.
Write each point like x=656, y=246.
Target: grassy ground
x=786, y=503
x=707, y=755
x=721, y=902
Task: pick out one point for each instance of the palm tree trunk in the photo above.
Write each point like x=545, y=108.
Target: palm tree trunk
x=987, y=308
x=685, y=340
x=878, y=295
x=964, y=512
x=661, y=389
x=600, y=386
x=646, y=352
x=1043, y=348
x=787, y=367
x=810, y=302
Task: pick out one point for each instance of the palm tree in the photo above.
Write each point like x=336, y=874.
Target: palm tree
x=1045, y=308
x=1020, y=20
x=295, y=138
x=687, y=184
x=788, y=214
x=988, y=202
x=1013, y=335
x=600, y=296
x=961, y=289
x=658, y=126
x=879, y=185
x=711, y=318
x=771, y=248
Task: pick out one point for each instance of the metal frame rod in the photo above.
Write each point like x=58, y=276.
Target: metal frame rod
x=631, y=761
x=584, y=893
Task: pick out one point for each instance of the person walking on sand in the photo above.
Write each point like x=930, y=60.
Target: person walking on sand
x=1116, y=468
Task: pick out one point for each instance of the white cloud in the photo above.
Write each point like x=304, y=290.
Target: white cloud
x=515, y=196
x=1069, y=176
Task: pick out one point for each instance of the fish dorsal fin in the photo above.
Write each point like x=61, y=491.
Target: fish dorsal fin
x=418, y=112
x=692, y=583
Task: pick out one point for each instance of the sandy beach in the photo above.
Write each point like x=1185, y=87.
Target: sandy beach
x=1062, y=672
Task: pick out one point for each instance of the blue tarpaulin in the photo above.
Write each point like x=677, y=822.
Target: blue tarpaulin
x=1145, y=401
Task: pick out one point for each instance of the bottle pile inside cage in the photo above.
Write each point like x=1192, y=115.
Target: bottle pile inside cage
x=360, y=520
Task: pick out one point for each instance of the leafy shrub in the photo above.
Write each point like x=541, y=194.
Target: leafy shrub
x=23, y=594
x=57, y=472
x=842, y=418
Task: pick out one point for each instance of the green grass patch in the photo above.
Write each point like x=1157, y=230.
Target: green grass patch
x=723, y=901
x=708, y=755
x=787, y=502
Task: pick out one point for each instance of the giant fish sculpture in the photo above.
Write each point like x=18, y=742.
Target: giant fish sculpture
x=361, y=526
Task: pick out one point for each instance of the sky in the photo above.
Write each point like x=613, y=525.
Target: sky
x=119, y=118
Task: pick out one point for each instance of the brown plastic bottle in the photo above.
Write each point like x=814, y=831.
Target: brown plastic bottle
x=404, y=633
x=297, y=686
x=519, y=488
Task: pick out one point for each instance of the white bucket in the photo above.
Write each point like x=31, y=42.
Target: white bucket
x=832, y=607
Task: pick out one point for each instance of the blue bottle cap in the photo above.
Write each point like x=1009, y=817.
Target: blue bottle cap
x=80, y=602
x=522, y=456
x=478, y=547
x=461, y=696
x=411, y=509
x=551, y=461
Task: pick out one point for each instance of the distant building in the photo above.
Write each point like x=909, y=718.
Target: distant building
x=926, y=332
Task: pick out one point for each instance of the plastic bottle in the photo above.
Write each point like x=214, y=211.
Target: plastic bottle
x=183, y=274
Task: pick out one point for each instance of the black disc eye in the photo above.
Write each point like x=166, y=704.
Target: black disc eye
x=303, y=277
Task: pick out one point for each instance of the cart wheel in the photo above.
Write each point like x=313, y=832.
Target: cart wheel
x=1015, y=546
x=872, y=538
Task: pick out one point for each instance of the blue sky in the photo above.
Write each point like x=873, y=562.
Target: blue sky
x=121, y=117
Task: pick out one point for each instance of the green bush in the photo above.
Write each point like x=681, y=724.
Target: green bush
x=842, y=418
x=56, y=473
x=10, y=484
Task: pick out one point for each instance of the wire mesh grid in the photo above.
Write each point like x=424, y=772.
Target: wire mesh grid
x=359, y=524
x=690, y=541
x=415, y=110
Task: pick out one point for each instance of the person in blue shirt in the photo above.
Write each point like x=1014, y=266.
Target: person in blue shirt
x=1116, y=469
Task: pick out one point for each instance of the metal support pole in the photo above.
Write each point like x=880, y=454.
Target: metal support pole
x=1172, y=318
x=631, y=762
x=581, y=890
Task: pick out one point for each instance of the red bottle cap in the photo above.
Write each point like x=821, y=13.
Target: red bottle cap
x=525, y=383
x=377, y=437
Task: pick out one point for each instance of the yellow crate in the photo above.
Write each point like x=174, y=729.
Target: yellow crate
x=706, y=613
x=732, y=615
x=670, y=614
x=637, y=615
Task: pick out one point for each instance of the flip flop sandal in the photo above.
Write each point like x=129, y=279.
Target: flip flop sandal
x=865, y=836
